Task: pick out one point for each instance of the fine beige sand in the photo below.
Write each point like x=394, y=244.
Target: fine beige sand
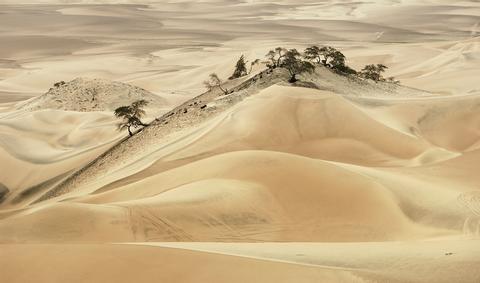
x=328, y=180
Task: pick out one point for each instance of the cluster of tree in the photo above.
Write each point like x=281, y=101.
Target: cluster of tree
x=291, y=60
x=334, y=59
x=328, y=57
x=375, y=73
x=131, y=115
x=297, y=63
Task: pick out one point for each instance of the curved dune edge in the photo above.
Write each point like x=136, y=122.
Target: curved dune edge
x=336, y=171
x=385, y=262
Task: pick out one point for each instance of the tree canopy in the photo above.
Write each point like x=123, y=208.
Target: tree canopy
x=295, y=65
x=213, y=82
x=374, y=72
x=131, y=115
x=240, y=68
x=253, y=63
x=276, y=56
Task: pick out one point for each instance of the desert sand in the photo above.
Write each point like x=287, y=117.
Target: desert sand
x=331, y=179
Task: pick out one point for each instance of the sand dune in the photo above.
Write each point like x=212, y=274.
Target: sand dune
x=87, y=95
x=330, y=179
x=157, y=204
x=342, y=169
x=166, y=47
x=36, y=150
x=46, y=137
x=74, y=261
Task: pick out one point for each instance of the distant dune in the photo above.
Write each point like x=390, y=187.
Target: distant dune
x=84, y=95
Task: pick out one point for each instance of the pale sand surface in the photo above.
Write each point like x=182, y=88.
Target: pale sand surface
x=351, y=182
x=168, y=47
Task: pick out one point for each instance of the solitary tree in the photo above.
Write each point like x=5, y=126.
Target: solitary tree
x=213, y=82
x=240, y=69
x=131, y=115
x=393, y=80
x=374, y=72
x=295, y=65
x=254, y=62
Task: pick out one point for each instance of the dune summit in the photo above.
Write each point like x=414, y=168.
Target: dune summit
x=85, y=95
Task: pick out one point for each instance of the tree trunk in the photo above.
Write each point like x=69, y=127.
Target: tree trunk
x=293, y=78
x=223, y=90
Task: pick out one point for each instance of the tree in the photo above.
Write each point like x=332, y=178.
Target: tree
x=59, y=84
x=374, y=72
x=275, y=56
x=295, y=65
x=328, y=54
x=131, y=115
x=329, y=57
x=271, y=61
x=393, y=80
x=213, y=82
x=240, y=69
x=313, y=53
x=254, y=62
x=337, y=59
x=344, y=69
x=281, y=53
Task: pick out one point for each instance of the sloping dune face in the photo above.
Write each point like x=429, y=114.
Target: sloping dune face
x=347, y=172
x=288, y=164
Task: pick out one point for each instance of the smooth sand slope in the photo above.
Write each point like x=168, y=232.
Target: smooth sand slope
x=44, y=138
x=301, y=184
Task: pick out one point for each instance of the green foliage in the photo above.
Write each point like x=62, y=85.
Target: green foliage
x=344, y=70
x=213, y=82
x=374, y=72
x=275, y=57
x=240, y=69
x=329, y=57
x=313, y=53
x=393, y=80
x=59, y=84
x=253, y=63
x=131, y=115
x=295, y=65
